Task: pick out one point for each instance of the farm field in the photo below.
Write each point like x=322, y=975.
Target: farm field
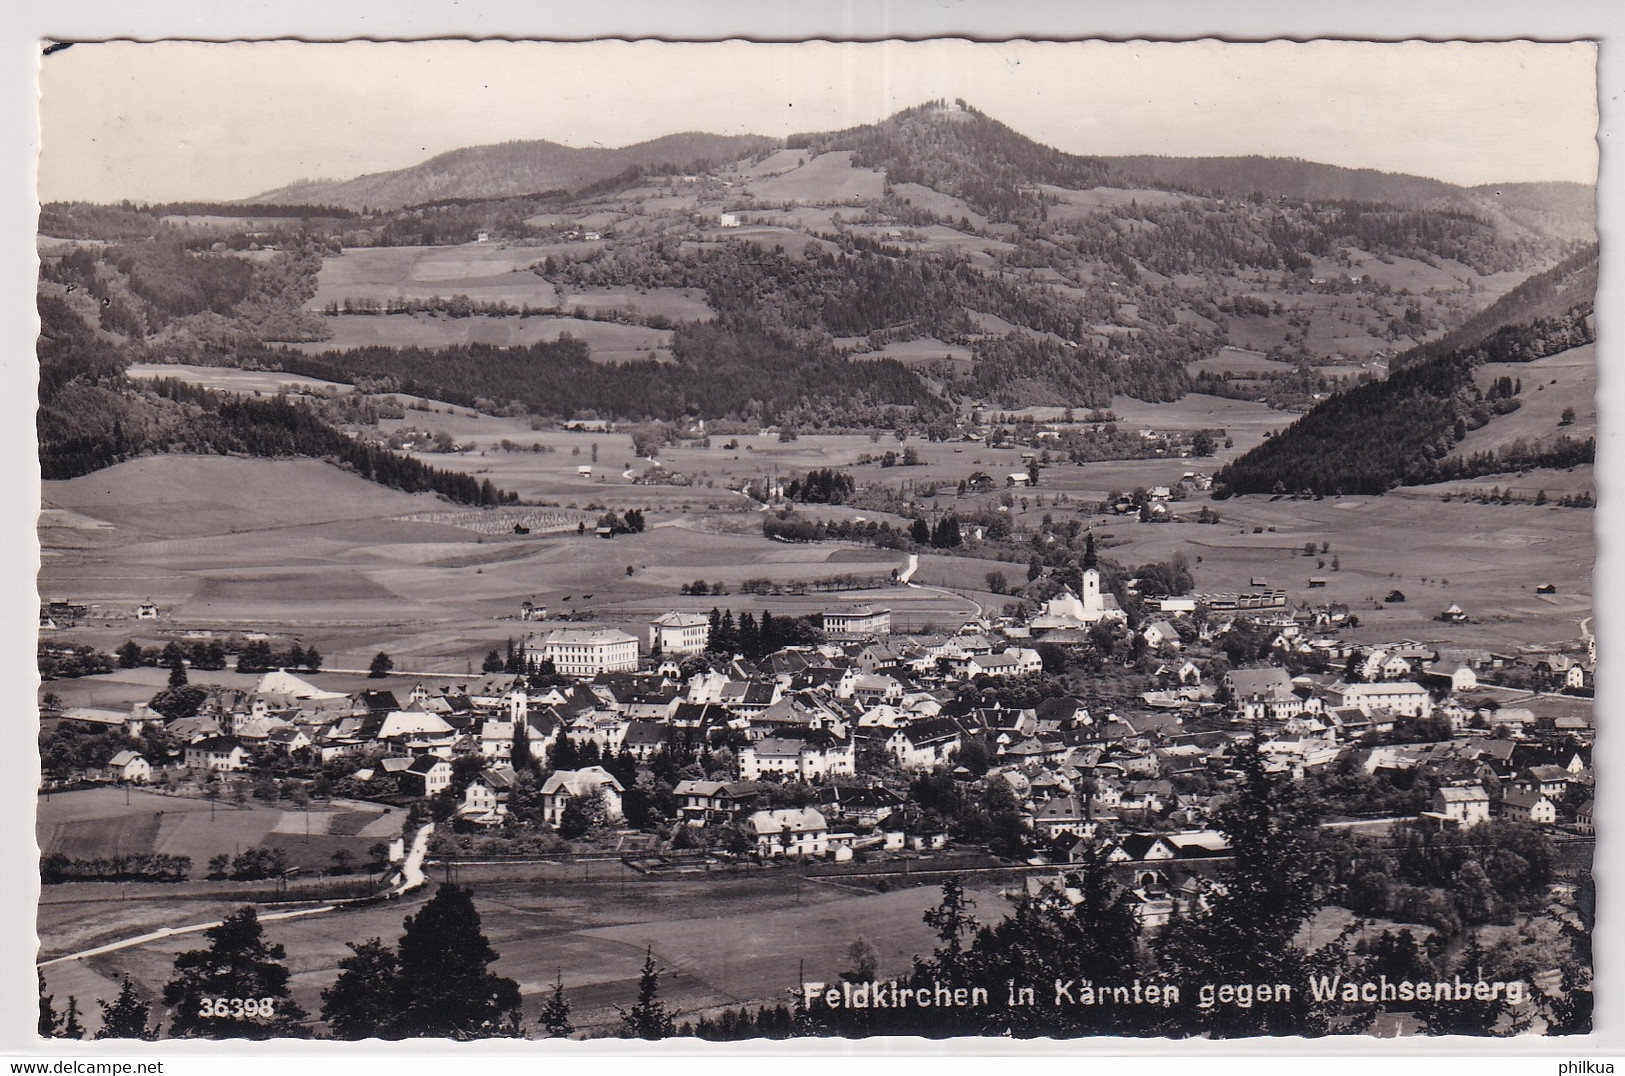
x=825, y=178
x=94, y=823
x=232, y=379
x=723, y=940
x=485, y=272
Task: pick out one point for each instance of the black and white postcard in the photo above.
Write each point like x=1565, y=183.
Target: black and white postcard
x=738, y=540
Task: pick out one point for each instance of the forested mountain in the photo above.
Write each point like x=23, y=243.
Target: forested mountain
x=960, y=151
x=512, y=169
x=1060, y=287
x=1402, y=430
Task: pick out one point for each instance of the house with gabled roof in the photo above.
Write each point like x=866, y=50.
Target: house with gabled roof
x=425, y=776
x=128, y=766
x=217, y=753
x=1527, y=805
x=792, y=831
x=713, y=802
x=562, y=785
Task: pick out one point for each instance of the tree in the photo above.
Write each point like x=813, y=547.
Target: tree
x=556, y=1013
x=129, y=655
x=447, y=989
x=493, y=662
x=955, y=927
x=52, y=1024
x=71, y=1027
x=919, y=532
x=647, y=1019
x=997, y=583
x=177, y=675
x=381, y=664
x=581, y=815
x=313, y=659
x=238, y=964
x=125, y=1017
x=863, y=961
x=361, y=1002
x=1268, y=891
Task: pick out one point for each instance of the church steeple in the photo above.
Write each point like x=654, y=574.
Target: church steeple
x=1089, y=558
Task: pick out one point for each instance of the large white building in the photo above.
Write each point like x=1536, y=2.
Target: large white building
x=586, y=651
x=858, y=620
x=680, y=633
x=1405, y=699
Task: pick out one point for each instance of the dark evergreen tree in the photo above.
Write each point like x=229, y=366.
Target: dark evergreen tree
x=238, y=965
x=447, y=989
x=647, y=1019
x=382, y=663
x=555, y=1013
x=361, y=1003
x=125, y=1017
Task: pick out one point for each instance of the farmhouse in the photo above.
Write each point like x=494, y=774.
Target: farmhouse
x=129, y=766
x=586, y=652
x=680, y=633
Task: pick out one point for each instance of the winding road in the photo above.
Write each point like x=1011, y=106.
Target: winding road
x=412, y=877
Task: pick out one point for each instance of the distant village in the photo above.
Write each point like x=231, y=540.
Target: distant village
x=816, y=751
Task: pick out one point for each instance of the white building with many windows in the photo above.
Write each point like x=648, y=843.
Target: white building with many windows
x=857, y=620
x=586, y=651
x=680, y=633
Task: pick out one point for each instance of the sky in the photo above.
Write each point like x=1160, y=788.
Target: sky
x=190, y=120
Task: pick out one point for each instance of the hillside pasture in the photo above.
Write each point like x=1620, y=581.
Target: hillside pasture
x=943, y=205
x=920, y=352
x=485, y=272
x=1237, y=360
x=1565, y=381
x=824, y=179
x=675, y=304
x=232, y=379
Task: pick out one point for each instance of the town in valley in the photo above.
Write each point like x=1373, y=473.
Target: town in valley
x=763, y=573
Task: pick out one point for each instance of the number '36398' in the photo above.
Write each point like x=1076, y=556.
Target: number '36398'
x=217, y=1008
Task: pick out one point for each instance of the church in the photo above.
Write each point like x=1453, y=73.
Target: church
x=1072, y=610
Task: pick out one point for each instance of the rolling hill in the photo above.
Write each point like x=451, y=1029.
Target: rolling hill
x=512, y=169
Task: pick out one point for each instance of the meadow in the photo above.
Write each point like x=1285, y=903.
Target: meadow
x=722, y=940
x=95, y=823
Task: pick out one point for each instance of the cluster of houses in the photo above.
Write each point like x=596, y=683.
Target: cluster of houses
x=834, y=714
